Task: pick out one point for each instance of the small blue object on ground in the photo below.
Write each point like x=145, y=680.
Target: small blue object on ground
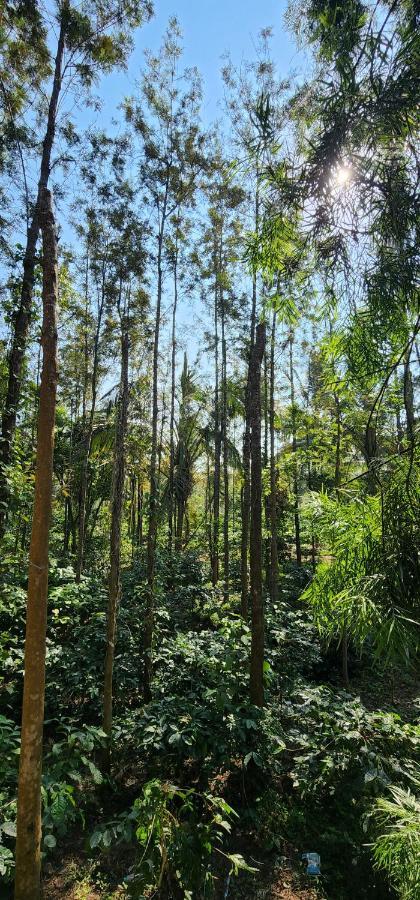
x=313, y=863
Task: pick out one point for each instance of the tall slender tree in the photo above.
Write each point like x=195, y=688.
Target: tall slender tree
x=28, y=841
x=116, y=517
x=274, y=562
x=257, y=607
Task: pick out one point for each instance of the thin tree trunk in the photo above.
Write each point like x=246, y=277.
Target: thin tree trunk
x=266, y=414
x=255, y=557
x=266, y=498
x=89, y=435
x=115, y=539
x=246, y=451
x=23, y=314
x=294, y=450
x=153, y=495
x=246, y=457
x=337, y=482
x=313, y=546
x=274, y=561
x=224, y=430
x=28, y=840
x=139, y=533
x=209, y=510
x=217, y=448
x=400, y=431
x=245, y=512
x=133, y=502
x=179, y=525
x=72, y=526
x=160, y=445
x=337, y=472
x=172, y=413
x=409, y=399
x=369, y=452
x=96, y=510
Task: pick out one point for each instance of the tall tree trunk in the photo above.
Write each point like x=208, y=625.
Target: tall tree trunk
x=209, y=509
x=255, y=556
x=115, y=538
x=245, y=511
x=409, y=399
x=369, y=452
x=133, y=508
x=153, y=495
x=217, y=446
x=337, y=484
x=224, y=432
x=246, y=458
x=160, y=444
x=266, y=498
x=337, y=471
x=309, y=468
x=89, y=435
x=28, y=840
x=274, y=560
x=294, y=451
x=67, y=501
x=179, y=525
x=139, y=533
x=398, y=422
x=23, y=313
x=246, y=451
x=172, y=413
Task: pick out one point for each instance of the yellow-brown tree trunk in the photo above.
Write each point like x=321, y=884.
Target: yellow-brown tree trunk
x=28, y=842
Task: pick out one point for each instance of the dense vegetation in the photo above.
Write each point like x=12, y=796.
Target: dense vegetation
x=209, y=469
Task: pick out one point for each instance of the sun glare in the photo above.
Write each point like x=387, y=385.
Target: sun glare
x=342, y=175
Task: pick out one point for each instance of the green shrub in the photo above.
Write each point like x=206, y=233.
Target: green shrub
x=396, y=849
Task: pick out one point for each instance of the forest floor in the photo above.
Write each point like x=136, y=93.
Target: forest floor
x=281, y=880
x=300, y=778
x=281, y=876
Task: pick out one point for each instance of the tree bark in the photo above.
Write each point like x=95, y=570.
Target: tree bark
x=153, y=495
x=28, y=840
x=337, y=483
x=160, y=444
x=294, y=450
x=115, y=539
x=409, y=399
x=246, y=457
x=139, y=532
x=89, y=435
x=224, y=434
x=370, y=454
x=265, y=462
x=217, y=446
x=255, y=556
x=23, y=314
x=274, y=560
x=179, y=525
x=172, y=412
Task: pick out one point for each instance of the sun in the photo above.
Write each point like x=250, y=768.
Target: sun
x=342, y=175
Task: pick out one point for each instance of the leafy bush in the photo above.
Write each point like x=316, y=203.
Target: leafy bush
x=368, y=586
x=178, y=830
x=397, y=847
x=68, y=777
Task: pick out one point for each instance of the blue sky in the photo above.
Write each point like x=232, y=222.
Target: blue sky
x=211, y=28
